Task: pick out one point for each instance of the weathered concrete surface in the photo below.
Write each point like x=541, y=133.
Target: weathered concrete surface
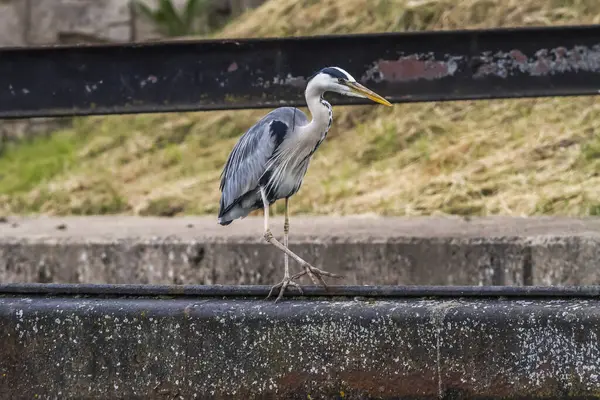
x=235, y=348
x=35, y=22
x=12, y=30
x=107, y=20
x=367, y=250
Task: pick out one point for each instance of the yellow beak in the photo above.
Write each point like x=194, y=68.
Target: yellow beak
x=360, y=89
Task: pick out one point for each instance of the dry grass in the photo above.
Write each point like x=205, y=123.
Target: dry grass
x=294, y=17
x=518, y=157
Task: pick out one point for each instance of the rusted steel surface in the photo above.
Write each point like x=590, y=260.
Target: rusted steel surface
x=242, y=347
x=257, y=73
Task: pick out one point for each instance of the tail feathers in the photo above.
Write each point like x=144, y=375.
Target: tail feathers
x=225, y=218
x=240, y=208
x=233, y=213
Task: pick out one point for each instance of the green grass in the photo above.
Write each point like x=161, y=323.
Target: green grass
x=25, y=165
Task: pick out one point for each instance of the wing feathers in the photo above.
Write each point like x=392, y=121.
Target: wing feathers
x=251, y=156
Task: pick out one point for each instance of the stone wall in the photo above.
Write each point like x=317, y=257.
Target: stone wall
x=41, y=22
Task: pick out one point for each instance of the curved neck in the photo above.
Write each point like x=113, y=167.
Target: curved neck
x=320, y=111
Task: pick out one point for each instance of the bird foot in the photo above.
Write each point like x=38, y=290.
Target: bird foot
x=284, y=284
x=316, y=274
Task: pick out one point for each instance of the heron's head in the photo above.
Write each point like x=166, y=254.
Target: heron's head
x=335, y=79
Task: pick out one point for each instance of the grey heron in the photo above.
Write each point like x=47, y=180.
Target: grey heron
x=269, y=162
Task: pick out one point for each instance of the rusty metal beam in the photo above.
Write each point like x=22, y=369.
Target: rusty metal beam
x=143, y=342
x=258, y=73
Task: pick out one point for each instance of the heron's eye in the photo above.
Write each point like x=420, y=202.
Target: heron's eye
x=340, y=80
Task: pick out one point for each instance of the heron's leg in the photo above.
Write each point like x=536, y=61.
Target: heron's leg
x=286, y=232
x=287, y=281
x=314, y=273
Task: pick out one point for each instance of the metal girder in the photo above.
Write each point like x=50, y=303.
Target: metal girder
x=144, y=342
x=258, y=73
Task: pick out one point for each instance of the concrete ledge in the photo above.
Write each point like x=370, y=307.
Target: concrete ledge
x=241, y=347
x=367, y=250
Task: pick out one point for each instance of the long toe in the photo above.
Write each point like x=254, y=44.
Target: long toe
x=318, y=274
x=316, y=277
x=280, y=284
x=318, y=271
x=283, y=285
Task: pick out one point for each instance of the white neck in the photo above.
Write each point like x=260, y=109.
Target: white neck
x=320, y=111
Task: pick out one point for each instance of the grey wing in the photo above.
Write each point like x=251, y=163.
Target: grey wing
x=248, y=159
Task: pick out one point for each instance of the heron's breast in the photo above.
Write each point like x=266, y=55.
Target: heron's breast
x=287, y=177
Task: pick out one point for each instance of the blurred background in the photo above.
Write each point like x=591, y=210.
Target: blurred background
x=513, y=157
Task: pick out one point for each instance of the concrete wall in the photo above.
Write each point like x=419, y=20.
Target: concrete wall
x=398, y=251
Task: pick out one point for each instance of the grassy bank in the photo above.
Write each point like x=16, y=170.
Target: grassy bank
x=518, y=157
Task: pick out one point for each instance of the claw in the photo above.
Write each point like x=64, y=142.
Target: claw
x=326, y=273
x=315, y=274
x=284, y=285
